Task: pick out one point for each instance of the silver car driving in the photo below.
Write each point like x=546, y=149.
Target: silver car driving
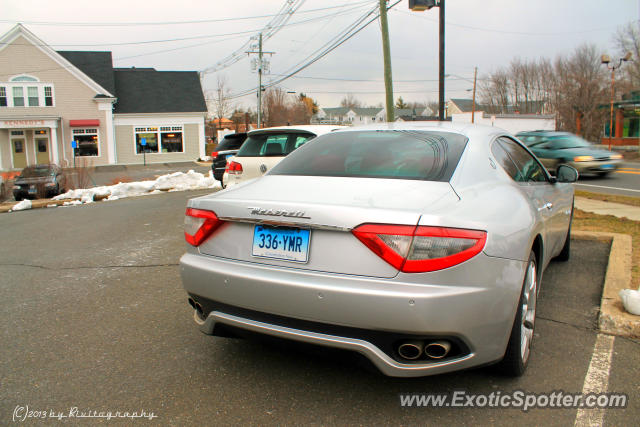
x=419, y=245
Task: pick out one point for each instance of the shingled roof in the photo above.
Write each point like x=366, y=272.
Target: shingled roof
x=142, y=90
x=145, y=90
x=97, y=65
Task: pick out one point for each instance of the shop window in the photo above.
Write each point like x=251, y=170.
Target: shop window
x=171, y=139
x=86, y=142
x=32, y=94
x=18, y=96
x=163, y=139
x=150, y=135
x=3, y=96
x=48, y=96
x=631, y=127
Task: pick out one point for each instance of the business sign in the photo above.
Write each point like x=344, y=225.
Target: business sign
x=21, y=123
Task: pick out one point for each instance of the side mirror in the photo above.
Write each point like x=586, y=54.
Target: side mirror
x=566, y=173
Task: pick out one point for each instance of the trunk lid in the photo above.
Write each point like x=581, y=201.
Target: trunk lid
x=329, y=207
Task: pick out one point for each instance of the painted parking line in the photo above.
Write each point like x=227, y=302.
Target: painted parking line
x=608, y=188
x=596, y=380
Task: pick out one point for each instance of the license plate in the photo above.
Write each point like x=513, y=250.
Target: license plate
x=606, y=167
x=32, y=190
x=229, y=156
x=289, y=244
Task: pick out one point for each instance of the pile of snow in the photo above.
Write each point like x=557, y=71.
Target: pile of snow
x=21, y=206
x=177, y=181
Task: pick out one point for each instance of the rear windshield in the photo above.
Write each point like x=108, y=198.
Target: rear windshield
x=231, y=142
x=422, y=155
x=273, y=143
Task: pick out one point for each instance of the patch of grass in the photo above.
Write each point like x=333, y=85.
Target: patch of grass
x=587, y=221
x=614, y=198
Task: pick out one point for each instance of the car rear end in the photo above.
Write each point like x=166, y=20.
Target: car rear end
x=265, y=148
x=227, y=148
x=351, y=244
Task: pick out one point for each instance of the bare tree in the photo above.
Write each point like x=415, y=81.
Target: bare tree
x=220, y=104
x=350, y=101
x=627, y=39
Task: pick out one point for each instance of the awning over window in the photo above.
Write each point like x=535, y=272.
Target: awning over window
x=84, y=123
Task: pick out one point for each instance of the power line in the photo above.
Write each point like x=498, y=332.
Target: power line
x=345, y=35
x=489, y=30
x=127, y=24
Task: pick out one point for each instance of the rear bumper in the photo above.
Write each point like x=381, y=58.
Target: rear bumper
x=479, y=315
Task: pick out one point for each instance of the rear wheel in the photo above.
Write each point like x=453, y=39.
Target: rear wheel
x=518, y=351
x=603, y=174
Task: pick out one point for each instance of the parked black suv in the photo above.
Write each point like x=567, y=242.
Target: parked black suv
x=228, y=147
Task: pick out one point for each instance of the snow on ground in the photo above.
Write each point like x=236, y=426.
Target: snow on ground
x=22, y=205
x=177, y=181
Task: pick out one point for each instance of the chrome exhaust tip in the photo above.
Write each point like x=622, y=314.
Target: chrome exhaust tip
x=437, y=349
x=411, y=350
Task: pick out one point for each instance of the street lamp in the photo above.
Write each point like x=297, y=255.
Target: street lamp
x=422, y=5
x=606, y=59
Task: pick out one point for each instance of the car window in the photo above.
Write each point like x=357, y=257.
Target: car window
x=231, y=143
x=531, y=140
x=529, y=169
x=568, y=141
x=273, y=144
x=504, y=160
x=421, y=155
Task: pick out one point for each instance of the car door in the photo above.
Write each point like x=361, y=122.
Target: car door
x=550, y=200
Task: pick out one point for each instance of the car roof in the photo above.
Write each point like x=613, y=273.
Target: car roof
x=467, y=129
x=316, y=129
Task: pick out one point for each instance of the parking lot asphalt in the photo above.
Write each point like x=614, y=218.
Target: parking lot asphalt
x=95, y=317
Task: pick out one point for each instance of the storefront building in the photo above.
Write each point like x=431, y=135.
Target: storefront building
x=626, y=121
x=60, y=107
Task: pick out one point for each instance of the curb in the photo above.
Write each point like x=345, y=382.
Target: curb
x=613, y=318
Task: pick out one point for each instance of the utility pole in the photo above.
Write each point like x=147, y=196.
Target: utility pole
x=386, y=52
x=261, y=66
x=260, y=82
x=473, y=103
x=441, y=63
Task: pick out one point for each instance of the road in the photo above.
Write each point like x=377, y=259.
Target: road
x=95, y=317
x=625, y=181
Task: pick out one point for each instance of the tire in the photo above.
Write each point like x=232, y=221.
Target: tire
x=3, y=192
x=18, y=198
x=565, y=253
x=603, y=174
x=517, y=355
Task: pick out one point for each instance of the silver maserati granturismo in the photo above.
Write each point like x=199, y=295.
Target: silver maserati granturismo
x=419, y=245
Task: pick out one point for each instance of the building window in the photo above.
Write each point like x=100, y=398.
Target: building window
x=24, y=78
x=32, y=93
x=48, y=96
x=42, y=145
x=171, y=139
x=86, y=142
x=19, y=148
x=3, y=96
x=17, y=133
x=163, y=139
x=18, y=97
x=148, y=136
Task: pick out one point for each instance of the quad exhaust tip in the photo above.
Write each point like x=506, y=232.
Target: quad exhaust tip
x=411, y=350
x=414, y=349
x=437, y=349
x=197, y=307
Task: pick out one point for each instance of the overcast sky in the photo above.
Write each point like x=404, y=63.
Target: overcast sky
x=487, y=34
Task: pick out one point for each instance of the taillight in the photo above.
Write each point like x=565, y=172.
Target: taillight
x=214, y=155
x=199, y=224
x=420, y=249
x=233, y=168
